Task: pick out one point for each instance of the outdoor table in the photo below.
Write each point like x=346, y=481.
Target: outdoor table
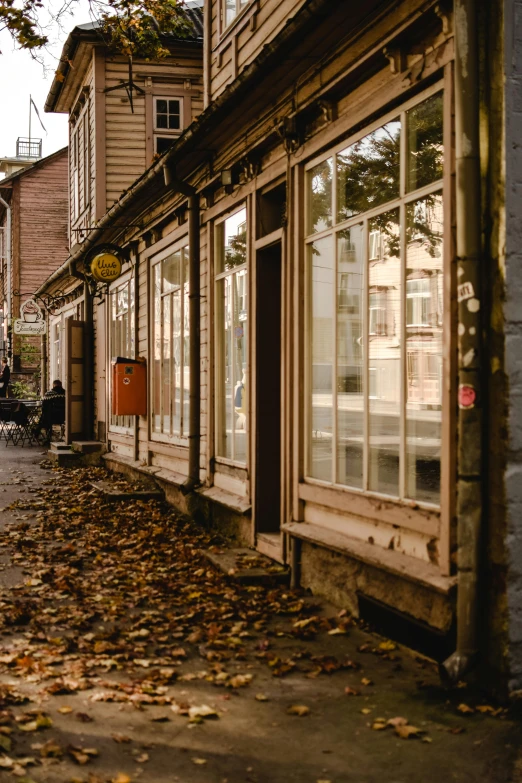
x=15, y=427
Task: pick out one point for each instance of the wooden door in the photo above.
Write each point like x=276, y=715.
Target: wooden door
x=75, y=381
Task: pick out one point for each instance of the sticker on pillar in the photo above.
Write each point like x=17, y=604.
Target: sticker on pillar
x=465, y=291
x=126, y=381
x=467, y=396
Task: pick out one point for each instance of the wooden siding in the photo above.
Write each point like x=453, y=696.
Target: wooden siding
x=235, y=47
x=41, y=218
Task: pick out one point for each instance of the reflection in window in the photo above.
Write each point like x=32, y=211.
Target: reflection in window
x=368, y=171
x=170, y=371
x=424, y=311
x=231, y=309
x=350, y=423
x=425, y=150
x=320, y=196
x=122, y=334
x=384, y=357
x=232, y=8
x=375, y=310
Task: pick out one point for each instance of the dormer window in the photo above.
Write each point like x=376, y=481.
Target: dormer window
x=231, y=9
x=168, y=121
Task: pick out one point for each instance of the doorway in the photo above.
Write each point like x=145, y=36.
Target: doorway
x=267, y=497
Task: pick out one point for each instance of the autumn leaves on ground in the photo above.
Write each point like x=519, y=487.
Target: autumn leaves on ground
x=124, y=656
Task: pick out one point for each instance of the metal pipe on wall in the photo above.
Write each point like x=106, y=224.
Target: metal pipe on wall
x=8, y=263
x=470, y=418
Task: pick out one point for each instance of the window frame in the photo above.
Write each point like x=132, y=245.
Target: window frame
x=80, y=158
x=166, y=133
x=442, y=186
x=218, y=223
x=240, y=9
x=179, y=439
x=126, y=280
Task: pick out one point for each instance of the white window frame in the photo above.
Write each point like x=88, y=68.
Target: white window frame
x=240, y=7
x=219, y=349
x=125, y=424
x=178, y=438
x=374, y=254
x=167, y=133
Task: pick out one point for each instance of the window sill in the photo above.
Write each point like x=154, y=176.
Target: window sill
x=396, y=563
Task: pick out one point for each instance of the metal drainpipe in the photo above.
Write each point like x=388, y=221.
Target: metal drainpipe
x=8, y=262
x=468, y=249
x=194, y=325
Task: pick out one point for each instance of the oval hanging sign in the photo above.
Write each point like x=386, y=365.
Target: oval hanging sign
x=106, y=267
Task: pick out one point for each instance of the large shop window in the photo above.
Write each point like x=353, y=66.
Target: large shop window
x=375, y=308
x=122, y=336
x=231, y=320
x=171, y=370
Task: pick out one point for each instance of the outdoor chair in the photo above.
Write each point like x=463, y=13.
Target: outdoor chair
x=52, y=414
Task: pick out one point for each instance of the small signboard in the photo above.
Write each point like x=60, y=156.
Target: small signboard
x=106, y=267
x=32, y=321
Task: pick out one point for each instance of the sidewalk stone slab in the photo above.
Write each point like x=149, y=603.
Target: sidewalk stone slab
x=247, y=566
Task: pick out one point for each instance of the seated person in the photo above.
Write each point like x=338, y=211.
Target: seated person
x=53, y=409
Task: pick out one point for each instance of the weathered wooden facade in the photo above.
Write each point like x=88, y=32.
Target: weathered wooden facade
x=321, y=394
x=34, y=228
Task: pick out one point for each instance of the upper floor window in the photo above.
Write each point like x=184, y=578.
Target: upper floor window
x=168, y=121
x=231, y=9
x=80, y=165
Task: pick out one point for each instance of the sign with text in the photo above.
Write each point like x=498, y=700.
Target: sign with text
x=106, y=267
x=31, y=321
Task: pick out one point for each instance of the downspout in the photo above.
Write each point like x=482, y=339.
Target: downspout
x=8, y=263
x=470, y=417
x=194, y=324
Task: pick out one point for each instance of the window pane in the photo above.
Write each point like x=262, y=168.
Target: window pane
x=240, y=337
x=320, y=197
x=425, y=143
x=163, y=143
x=161, y=121
x=156, y=341
x=322, y=270
x=174, y=121
x=350, y=401
x=384, y=352
x=171, y=272
x=166, y=381
x=224, y=368
x=368, y=171
x=186, y=343
x=176, y=361
x=230, y=11
x=424, y=311
x=232, y=242
x=161, y=106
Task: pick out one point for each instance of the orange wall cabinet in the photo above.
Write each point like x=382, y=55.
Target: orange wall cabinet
x=129, y=387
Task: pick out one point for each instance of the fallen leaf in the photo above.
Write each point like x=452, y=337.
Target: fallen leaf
x=366, y=681
x=199, y=761
x=51, y=749
x=120, y=738
x=121, y=778
x=397, y=722
x=387, y=646
x=351, y=691
x=5, y=743
x=407, y=732
x=379, y=724
x=261, y=697
x=298, y=709
x=65, y=710
x=365, y=711
x=465, y=709
x=202, y=712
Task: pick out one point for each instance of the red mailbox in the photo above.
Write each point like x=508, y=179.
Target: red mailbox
x=129, y=387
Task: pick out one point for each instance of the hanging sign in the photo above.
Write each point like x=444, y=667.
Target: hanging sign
x=106, y=267
x=31, y=321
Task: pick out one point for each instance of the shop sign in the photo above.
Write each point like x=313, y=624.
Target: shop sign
x=106, y=267
x=32, y=320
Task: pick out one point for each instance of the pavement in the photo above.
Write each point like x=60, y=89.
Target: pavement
x=124, y=656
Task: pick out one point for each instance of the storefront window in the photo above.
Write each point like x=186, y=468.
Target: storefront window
x=231, y=318
x=122, y=335
x=170, y=372
x=375, y=267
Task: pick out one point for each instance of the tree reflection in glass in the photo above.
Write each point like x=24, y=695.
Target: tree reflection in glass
x=425, y=143
x=368, y=172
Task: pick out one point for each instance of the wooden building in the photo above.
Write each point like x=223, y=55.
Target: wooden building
x=308, y=302
x=33, y=239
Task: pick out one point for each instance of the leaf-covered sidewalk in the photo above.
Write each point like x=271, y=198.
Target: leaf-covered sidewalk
x=124, y=656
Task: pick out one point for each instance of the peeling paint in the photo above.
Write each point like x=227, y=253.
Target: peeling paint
x=461, y=330
x=460, y=271
x=496, y=364
x=473, y=305
x=472, y=330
